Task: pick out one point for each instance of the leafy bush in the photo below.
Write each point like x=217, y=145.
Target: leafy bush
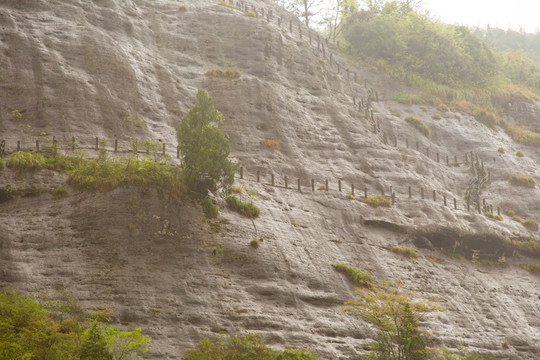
x=419, y=124
x=249, y=347
x=228, y=73
x=32, y=331
x=520, y=153
x=272, y=144
x=493, y=216
x=501, y=150
x=357, y=276
x=247, y=209
x=522, y=180
x=442, y=107
x=510, y=212
x=377, y=201
x=58, y=191
x=436, y=116
x=210, y=209
x=517, y=219
x=403, y=251
x=530, y=224
x=26, y=161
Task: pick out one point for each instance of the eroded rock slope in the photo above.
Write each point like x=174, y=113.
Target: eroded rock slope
x=84, y=69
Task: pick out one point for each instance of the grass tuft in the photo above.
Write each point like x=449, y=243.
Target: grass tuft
x=522, y=180
x=357, y=276
x=378, y=201
x=270, y=143
x=532, y=268
x=404, y=251
x=493, y=216
x=247, y=209
x=530, y=224
x=419, y=124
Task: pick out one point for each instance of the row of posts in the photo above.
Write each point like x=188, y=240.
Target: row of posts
x=73, y=145
x=484, y=208
x=320, y=42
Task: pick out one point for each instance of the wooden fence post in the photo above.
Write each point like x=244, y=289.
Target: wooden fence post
x=444, y=197
x=339, y=185
x=178, y=152
x=164, y=148
x=498, y=211
x=115, y=145
x=326, y=184
x=365, y=192
x=393, y=198
x=18, y=145
x=299, y=189
x=434, y=195
x=312, y=185
x=447, y=161
x=468, y=205
x=455, y=204
x=437, y=156
x=272, y=179
x=73, y=143
x=97, y=143
x=410, y=192
x=241, y=172
x=290, y=26
x=352, y=189
x=258, y=176
x=286, y=182
x=422, y=193
x=37, y=145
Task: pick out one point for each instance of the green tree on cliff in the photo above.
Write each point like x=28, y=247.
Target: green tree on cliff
x=204, y=148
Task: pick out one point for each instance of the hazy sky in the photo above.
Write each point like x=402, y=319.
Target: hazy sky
x=497, y=13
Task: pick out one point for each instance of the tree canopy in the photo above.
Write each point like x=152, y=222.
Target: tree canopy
x=204, y=148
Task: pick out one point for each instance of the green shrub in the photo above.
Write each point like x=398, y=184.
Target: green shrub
x=350, y=196
x=530, y=224
x=244, y=348
x=527, y=246
x=236, y=189
x=403, y=251
x=532, y=268
x=247, y=209
x=517, y=219
x=520, y=153
x=377, y=201
x=357, y=276
x=255, y=243
x=487, y=118
x=501, y=150
x=436, y=116
x=442, y=107
x=58, y=191
x=210, y=209
x=522, y=180
x=26, y=161
x=419, y=125
x=493, y=216
x=510, y=212
x=228, y=73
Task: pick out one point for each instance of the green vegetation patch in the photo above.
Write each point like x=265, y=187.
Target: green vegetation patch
x=404, y=251
x=26, y=161
x=527, y=246
x=249, y=210
x=59, y=191
x=357, y=276
x=493, y=216
x=249, y=347
x=255, y=243
x=530, y=224
x=522, y=180
x=211, y=210
x=378, y=201
x=408, y=99
x=532, y=268
x=55, y=331
x=419, y=124
x=230, y=73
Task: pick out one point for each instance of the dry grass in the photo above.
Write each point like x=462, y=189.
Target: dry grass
x=419, y=124
x=530, y=224
x=378, y=201
x=404, y=251
x=522, y=180
x=270, y=143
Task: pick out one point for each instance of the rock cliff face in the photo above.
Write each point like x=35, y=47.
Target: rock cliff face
x=86, y=69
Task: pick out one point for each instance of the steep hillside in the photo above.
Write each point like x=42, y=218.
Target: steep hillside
x=87, y=69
